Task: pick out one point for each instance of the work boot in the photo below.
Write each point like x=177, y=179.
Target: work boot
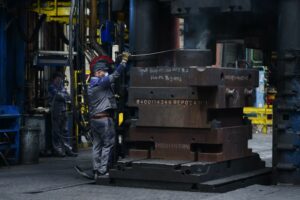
x=59, y=154
x=99, y=175
x=71, y=154
x=104, y=174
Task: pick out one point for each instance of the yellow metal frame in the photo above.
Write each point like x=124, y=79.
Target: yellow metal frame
x=260, y=116
x=83, y=109
x=55, y=10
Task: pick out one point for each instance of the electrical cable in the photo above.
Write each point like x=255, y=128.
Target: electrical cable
x=35, y=30
x=157, y=52
x=153, y=53
x=62, y=36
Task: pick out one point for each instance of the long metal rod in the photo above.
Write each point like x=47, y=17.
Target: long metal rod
x=3, y=54
x=55, y=7
x=63, y=53
x=93, y=28
x=108, y=11
x=72, y=74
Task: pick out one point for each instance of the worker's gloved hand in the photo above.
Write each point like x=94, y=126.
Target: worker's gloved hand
x=125, y=56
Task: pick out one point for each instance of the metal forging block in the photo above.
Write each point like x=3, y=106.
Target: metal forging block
x=190, y=144
x=191, y=97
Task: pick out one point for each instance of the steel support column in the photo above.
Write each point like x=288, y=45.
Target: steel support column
x=19, y=76
x=143, y=29
x=3, y=58
x=15, y=66
x=286, y=141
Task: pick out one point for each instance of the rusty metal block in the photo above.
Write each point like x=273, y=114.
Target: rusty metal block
x=192, y=144
x=138, y=153
x=190, y=97
x=170, y=174
x=193, y=76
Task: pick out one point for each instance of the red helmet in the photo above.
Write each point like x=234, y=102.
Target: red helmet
x=106, y=59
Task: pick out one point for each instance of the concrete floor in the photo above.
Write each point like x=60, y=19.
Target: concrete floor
x=55, y=178
x=262, y=144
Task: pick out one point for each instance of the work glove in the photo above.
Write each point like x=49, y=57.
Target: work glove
x=125, y=56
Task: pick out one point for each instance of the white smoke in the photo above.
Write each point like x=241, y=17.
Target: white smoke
x=203, y=40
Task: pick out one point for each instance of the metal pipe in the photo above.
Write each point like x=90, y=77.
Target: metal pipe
x=35, y=30
x=55, y=7
x=93, y=28
x=61, y=53
x=82, y=37
x=82, y=54
x=72, y=74
x=82, y=20
x=108, y=11
x=3, y=56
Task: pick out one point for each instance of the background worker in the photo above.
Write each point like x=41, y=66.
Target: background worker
x=59, y=120
x=102, y=104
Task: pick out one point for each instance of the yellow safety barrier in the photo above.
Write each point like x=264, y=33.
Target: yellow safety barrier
x=260, y=116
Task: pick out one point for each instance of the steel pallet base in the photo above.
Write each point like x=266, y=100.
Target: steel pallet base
x=191, y=176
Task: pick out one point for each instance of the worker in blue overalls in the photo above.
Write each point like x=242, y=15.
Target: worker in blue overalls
x=102, y=103
x=59, y=120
